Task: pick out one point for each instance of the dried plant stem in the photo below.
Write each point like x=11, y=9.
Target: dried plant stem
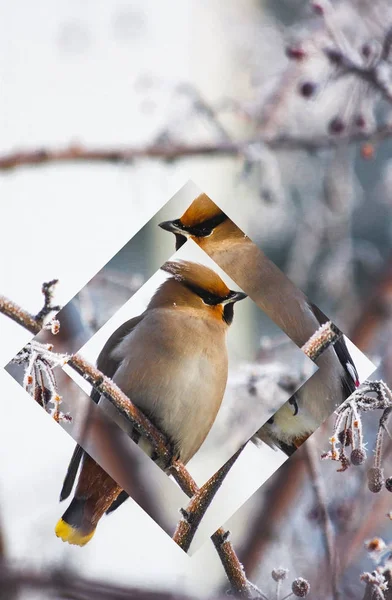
x=104, y=385
x=196, y=509
x=173, y=151
x=326, y=525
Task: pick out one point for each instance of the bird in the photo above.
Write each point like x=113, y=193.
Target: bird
x=246, y=264
x=171, y=361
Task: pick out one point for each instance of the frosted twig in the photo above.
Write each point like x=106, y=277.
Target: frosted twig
x=326, y=335
x=196, y=509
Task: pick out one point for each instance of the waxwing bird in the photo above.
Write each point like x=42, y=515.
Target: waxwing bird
x=207, y=225
x=171, y=361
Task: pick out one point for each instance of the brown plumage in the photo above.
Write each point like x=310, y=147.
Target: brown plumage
x=172, y=362
x=202, y=209
x=247, y=265
x=210, y=228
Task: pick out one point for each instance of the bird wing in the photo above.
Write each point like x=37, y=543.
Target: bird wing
x=108, y=366
x=351, y=379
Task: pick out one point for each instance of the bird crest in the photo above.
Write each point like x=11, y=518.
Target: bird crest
x=195, y=275
x=202, y=209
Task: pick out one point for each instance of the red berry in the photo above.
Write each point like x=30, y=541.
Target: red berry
x=360, y=121
x=318, y=8
x=367, y=151
x=295, y=53
x=336, y=125
x=366, y=50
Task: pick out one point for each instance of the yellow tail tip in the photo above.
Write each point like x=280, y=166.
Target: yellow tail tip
x=72, y=535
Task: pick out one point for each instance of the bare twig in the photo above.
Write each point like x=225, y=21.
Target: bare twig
x=196, y=509
x=19, y=315
x=326, y=525
x=372, y=74
x=173, y=151
x=25, y=319
x=48, y=307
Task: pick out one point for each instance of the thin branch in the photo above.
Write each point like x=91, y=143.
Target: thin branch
x=19, y=315
x=326, y=525
x=30, y=322
x=233, y=568
x=196, y=509
x=173, y=151
x=105, y=386
x=370, y=74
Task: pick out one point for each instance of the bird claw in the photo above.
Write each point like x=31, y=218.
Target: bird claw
x=293, y=402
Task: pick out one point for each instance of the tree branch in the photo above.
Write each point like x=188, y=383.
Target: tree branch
x=173, y=152
x=196, y=509
x=326, y=525
x=372, y=74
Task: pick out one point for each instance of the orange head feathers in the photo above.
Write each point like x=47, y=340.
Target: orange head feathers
x=198, y=221
x=202, y=209
x=196, y=286
x=195, y=275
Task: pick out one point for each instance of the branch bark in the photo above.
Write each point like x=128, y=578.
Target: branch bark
x=326, y=525
x=196, y=509
x=172, y=152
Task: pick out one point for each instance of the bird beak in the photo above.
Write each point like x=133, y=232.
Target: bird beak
x=235, y=297
x=172, y=226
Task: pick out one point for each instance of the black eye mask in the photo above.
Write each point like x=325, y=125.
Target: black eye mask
x=213, y=300
x=206, y=296
x=203, y=229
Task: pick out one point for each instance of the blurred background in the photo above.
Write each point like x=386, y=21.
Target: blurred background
x=298, y=156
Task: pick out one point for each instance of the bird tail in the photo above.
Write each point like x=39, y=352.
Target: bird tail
x=75, y=526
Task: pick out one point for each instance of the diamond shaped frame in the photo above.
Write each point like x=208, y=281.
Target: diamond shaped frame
x=174, y=208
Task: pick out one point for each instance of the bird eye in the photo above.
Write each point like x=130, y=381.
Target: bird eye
x=206, y=296
x=207, y=227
